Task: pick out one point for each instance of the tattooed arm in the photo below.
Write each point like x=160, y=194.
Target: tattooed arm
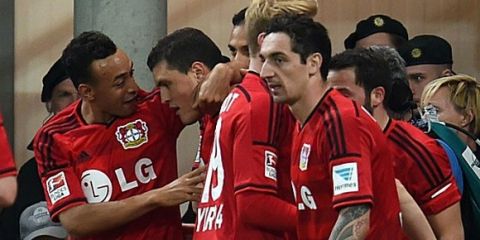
x=352, y=223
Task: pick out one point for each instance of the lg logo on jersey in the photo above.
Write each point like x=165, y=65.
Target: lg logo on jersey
x=97, y=187
x=307, y=198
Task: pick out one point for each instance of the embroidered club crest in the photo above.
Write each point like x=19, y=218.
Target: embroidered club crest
x=133, y=134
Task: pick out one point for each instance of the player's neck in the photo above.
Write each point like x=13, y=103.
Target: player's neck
x=255, y=64
x=381, y=115
x=313, y=93
x=91, y=114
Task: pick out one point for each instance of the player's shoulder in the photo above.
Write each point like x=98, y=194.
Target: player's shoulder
x=254, y=87
x=335, y=105
x=57, y=129
x=237, y=101
x=405, y=133
x=149, y=104
x=148, y=98
x=64, y=121
x=412, y=131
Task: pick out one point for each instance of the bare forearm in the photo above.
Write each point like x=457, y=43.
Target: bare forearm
x=352, y=223
x=448, y=223
x=8, y=191
x=90, y=219
x=415, y=224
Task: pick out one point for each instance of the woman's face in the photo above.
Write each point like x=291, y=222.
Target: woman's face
x=446, y=110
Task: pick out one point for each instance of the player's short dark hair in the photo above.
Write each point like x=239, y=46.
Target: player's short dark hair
x=183, y=47
x=239, y=18
x=82, y=51
x=307, y=37
x=371, y=70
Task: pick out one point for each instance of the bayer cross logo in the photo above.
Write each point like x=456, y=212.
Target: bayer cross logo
x=345, y=173
x=132, y=134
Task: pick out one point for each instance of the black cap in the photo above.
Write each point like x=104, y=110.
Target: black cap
x=375, y=24
x=55, y=75
x=426, y=49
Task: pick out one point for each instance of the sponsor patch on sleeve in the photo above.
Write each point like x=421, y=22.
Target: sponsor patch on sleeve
x=345, y=178
x=271, y=165
x=57, y=187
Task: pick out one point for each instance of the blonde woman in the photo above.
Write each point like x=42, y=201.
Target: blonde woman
x=456, y=100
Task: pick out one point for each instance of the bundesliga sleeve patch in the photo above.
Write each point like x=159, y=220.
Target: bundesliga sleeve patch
x=345, y=178
x=271, y=165
x=57, y=187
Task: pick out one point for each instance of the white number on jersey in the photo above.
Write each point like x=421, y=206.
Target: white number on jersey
x=215, y=166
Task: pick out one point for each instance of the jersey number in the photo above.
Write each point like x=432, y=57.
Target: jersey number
x=215, y=168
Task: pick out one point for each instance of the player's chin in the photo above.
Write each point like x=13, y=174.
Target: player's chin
x=279, y=98
x=127, y=110
x=190, y=117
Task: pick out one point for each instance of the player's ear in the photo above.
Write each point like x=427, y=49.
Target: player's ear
x=377, y=95
x=48, y=105
x=314, y=62
x=467, y=119
x=199, y=71
x=447, y=72
x=86, y=92
x=260, y=38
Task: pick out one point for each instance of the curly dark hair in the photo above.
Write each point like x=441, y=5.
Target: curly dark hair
x=82, y=51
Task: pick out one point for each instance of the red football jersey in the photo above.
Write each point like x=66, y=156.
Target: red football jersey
x=205, y=143
x=7, y=164
x=422, y=166
x=243, y=157
x=83, y=163
x=339, y=159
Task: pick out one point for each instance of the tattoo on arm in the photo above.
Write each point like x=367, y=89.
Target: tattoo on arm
x=352, y=223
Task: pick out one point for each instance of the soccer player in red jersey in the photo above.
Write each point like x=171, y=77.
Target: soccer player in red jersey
x=421, y=164
x=8, y=171
x=248, y=167
x=180, y=62
x=341, y=170
x=108, y=161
